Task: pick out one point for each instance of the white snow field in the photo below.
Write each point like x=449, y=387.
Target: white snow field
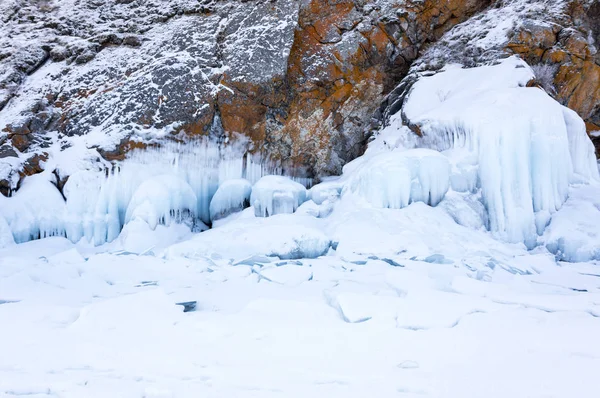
x=464, y=262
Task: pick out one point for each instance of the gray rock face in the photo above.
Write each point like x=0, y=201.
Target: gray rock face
x=109, y=69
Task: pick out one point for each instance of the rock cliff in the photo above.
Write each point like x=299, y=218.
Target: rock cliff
x=307, y=81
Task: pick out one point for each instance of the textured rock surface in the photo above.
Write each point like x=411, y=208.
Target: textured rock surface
x=301, y=78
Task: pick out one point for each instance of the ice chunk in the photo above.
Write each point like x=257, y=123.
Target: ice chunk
x=161, y=200
x=528, y=147
x=325, y=191
x=574, y=232
x=231, y=197
x=35, y=210
x=276, y=195
x=466, y=210
x=396, y=179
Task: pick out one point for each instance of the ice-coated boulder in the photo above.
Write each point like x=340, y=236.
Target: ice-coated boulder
x=396, y=179
x=273, y=195
x=36, y=209
x=231, y=196
x=161, y=200
x=325, y=191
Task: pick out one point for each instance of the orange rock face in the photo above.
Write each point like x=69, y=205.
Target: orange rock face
x=345, y=57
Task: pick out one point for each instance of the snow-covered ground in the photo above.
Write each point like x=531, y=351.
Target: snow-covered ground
x=82, y=324
x=432, y=267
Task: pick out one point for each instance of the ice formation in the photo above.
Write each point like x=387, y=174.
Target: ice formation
x=396, y=179
x=525, y=147
x=82, y=192
x=273, y=195
x=36, y=210
x=493, y=155
x=232, y=196
x=574, y=232
x=325, y=191
x=6, y=237
x=157, y=185
x=160, y=200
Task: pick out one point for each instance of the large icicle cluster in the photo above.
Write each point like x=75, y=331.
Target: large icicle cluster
x=516, y=143
x=174, y=182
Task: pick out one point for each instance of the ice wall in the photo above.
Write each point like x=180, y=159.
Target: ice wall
x=515, y=143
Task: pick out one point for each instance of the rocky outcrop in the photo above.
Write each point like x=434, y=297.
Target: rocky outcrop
x=567, y=58
x=300, y=78
x=558, y=39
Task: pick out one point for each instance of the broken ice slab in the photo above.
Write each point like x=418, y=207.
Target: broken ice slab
x=8, y=301
x=147, y=283
x=188, y=306
x=257, y=260
x=438, y=259
x=408, y=365
x=292, y=262
x=386, y=260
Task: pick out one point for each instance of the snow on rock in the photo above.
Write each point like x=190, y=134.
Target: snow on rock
x=396, y=179
x=36, y=209
x=574, y=232
x=232, y=196
x=160, y=200
x=528, y=147
x=273, y=195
